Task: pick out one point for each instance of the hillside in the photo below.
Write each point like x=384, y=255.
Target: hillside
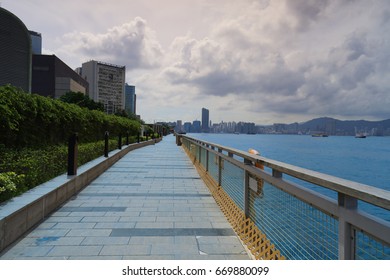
x=337, y=127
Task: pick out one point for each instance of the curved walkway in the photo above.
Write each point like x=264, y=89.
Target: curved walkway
x=151, y=204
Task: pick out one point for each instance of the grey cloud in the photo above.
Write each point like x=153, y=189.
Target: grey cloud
x=356, y=46
x=306, y=11
x=385, y=16
x=216, y=68
x=281, y=81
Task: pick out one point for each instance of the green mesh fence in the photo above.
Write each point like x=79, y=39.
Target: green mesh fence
x=299, y=230
x=233, y=182
x=368, y=248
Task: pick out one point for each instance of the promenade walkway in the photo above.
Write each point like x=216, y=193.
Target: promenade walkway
x=151, y=204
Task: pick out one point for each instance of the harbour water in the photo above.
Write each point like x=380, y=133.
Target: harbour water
x=364, y=160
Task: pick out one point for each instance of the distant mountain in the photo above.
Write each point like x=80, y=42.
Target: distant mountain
x=337, y=127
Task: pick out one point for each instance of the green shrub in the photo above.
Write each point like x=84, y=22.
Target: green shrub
x=11, y=185
x=36, y=165
x=90, y=151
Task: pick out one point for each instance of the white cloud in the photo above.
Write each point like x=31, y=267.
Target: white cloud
x=132, y=44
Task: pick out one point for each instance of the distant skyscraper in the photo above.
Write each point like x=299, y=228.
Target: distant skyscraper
x=106, y=84
x=179, y=126
x=36, y=42
x=130, y=100
x=205, y=120
x=196, y=125
x=187, y=127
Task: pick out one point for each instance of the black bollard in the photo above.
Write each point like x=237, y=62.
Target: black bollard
x=106, y=135
x=72, y=154
x=127, y=138
x=120, y=142
x=138, y=137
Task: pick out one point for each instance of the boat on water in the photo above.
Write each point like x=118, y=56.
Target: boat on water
x=360, y=135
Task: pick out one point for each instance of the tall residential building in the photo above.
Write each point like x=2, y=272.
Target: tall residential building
x=52, y=77
x=106, y=84
x=130, y=100
x=15, y=52
x=205, y=120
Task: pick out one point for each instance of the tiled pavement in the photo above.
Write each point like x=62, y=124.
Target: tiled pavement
x=151, y=204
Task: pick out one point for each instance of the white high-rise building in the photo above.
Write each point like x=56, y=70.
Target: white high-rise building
x=106, y=84
x=179, y=126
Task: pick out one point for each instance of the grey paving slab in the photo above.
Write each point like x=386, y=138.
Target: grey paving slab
x=24, y=252
x=152, y=240
x=56, y=241
x=120, y=250
x=68, y=251
x=151, y=204
x=105, y=240
x=89, y=232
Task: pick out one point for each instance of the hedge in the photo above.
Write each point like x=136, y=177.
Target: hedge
x=35, y=121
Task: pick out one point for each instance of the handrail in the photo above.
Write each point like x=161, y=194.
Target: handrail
x=376, y=196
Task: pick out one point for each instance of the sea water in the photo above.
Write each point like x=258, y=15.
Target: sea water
x=363, y=160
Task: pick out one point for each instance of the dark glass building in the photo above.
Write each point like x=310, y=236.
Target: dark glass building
x=15, y=51
x=205, y=120
x=52, y=77
x=130, y=100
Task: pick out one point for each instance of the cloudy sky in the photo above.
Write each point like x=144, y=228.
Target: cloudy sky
x=262, y=61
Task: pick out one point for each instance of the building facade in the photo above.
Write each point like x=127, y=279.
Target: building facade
x=36, y=42
x=106, y=84
x=15, y=52
x=179, y=126
x=52, y=77
x=205, y=120
x=196, y=127
x=130, y=100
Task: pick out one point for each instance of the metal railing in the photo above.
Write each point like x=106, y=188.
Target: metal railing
x=300, y=222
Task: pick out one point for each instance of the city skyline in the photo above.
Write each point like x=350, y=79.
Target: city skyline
x=261, y=61
x=324, y=125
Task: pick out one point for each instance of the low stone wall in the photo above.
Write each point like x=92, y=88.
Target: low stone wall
x=20, y=214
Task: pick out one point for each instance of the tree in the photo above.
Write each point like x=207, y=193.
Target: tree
x=82, y=100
